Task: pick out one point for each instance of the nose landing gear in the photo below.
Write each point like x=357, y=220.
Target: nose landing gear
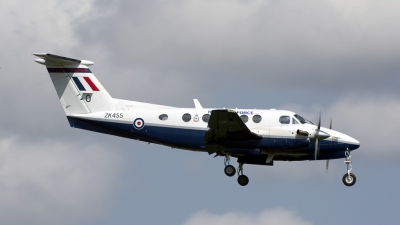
x=348, y=179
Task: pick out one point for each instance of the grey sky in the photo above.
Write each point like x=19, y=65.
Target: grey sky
x=339, y=57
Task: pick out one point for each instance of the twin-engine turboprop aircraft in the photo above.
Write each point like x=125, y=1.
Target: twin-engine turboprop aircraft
x=253, y=136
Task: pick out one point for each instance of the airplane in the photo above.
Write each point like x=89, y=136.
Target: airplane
x=253, y=136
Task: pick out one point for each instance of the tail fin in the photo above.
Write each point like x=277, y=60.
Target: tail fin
x=78, y=89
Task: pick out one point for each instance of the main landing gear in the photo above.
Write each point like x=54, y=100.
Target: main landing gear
x=242, y=179
x=230, y=171
x=348, y=179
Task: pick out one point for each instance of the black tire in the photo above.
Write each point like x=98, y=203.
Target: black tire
x=243, y=180
x=349, y=180
x=230, y=170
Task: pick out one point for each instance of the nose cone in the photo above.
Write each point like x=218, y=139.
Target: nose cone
x=341, y=138
x=354, y=142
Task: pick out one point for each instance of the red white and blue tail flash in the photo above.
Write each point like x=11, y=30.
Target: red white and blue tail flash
x=85, y=84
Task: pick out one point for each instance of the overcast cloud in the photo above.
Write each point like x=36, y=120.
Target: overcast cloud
x=266, y=217
x=338, y=57
x=326, y=47
x=55, y=182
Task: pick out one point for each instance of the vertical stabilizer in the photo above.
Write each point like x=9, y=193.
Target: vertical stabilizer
x=78, y=89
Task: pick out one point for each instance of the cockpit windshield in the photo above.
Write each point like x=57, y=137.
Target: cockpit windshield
x=302, y=120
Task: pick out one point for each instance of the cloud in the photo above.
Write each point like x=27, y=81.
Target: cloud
x=30, y=27
x=218, y=51
x=330, y=48
x=44, y=25
x=372, y=121
x=265, y=217
x=55, y=182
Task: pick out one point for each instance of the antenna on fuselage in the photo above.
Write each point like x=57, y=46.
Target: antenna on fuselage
x=197, y=104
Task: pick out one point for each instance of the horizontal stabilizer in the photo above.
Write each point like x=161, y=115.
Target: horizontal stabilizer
x=50, y=59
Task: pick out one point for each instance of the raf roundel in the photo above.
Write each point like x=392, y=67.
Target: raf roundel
x=138, y=123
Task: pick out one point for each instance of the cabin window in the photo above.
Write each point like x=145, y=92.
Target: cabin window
x=284, y=119
x=163, y=117
x=294, y=121
x=257, y=118
x=186, y=117
x=206, y=118
x=244, y=118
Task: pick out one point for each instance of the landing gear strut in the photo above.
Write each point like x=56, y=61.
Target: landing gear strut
x=229, y=169
x=348, y=179
x=242, y=179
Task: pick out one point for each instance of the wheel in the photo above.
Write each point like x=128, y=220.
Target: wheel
x=243, y=180
x=349, y=180
x=230, y=170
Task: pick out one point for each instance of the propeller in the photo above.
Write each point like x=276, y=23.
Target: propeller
x=327, y=165
x=317, y=146
x=327, y=161
x=319, y=135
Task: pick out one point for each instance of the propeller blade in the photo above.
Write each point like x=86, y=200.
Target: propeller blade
x=319, y=121
x=327, y=165
x=330, y=125
x=316, y=153
x=317, y=132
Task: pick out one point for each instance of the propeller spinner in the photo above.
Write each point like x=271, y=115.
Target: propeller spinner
x=319, y=135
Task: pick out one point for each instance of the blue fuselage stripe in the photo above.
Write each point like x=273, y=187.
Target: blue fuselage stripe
x=193, y=139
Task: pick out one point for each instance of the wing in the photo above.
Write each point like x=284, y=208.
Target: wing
x=226, y=126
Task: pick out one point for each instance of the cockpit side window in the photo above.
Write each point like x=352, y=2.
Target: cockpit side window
x=284, y=119
x=301, y=119
x=294, y=121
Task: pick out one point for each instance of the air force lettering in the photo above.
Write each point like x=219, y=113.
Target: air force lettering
x=138, y=123
x=245, y=112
